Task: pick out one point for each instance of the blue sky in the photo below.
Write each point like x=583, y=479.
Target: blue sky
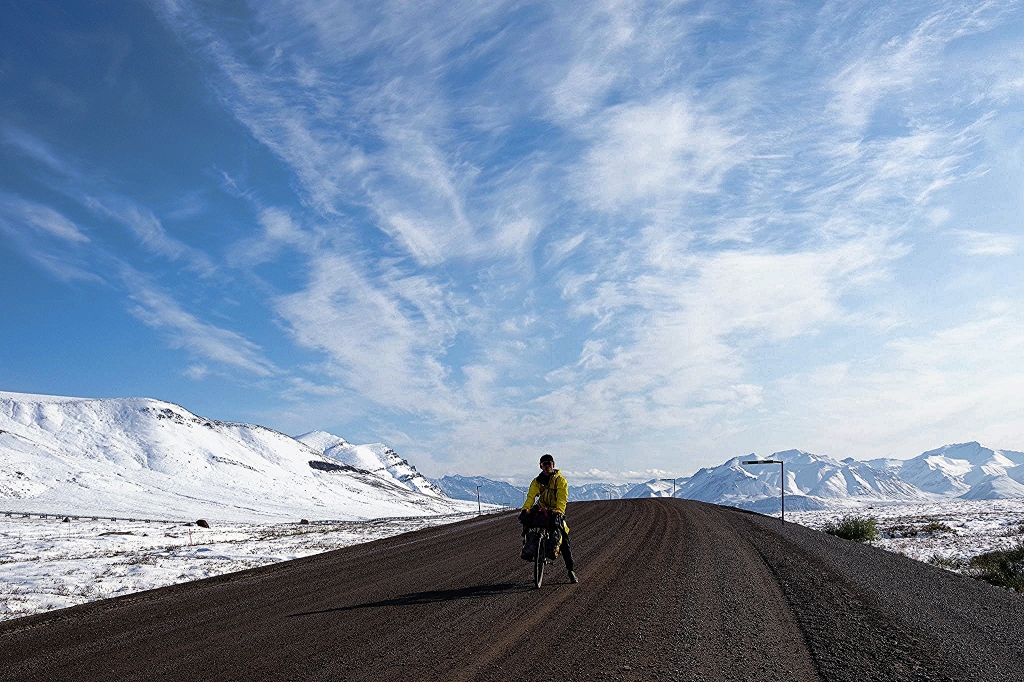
x=644, y=237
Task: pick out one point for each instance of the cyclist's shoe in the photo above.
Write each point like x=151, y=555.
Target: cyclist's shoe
x=573, y=578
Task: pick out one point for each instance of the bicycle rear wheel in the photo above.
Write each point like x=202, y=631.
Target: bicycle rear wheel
x=539, y=561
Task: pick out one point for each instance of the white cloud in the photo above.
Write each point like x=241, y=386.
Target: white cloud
x=988, y=243
x=148, y=229
x=406, y=173
x=47, y=238
x=384, y=338
x=689, y=327
x=582, y=89
x=197, y=372
x=59, y=264
x=43, y=218
x=300, y=388
x=480, y=385
x=879, y=66
x=74, y=184
x=561, y=249
x=589, y=233
x=955, y=384
x=158, y=310
x=597, y=51
x=36, y=149
x=655, y=151
x=279, y=230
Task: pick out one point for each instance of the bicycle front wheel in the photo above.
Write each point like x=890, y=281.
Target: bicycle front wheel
x=538, y=562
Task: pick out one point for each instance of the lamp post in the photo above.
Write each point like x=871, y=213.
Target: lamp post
x=782, y=480
x=479, y=511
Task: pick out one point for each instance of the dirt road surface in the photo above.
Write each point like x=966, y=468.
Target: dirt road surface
x=670, y=590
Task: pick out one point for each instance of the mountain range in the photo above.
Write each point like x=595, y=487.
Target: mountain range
x=967, y=471
x=149, y=458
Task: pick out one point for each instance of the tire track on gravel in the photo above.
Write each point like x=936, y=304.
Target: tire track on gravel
x=547, y=615
x=735, y=622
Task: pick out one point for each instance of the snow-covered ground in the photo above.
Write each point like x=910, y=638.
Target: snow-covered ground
x=919, y=530
x=49, y=564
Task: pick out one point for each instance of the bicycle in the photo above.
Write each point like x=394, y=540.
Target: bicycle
x=538, y=535
x=540, y=553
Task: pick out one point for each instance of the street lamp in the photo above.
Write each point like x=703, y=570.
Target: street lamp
x=782, y=480
x=479, y=511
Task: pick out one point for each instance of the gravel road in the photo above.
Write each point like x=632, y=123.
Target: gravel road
x=670, y=590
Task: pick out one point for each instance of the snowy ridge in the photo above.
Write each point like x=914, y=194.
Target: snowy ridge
x=151, y=458
x=491, y=492
x=376, y=458
x=142, y=457
x=968, y=471
x=506, y=494
x=652, y=488
x=597, y=491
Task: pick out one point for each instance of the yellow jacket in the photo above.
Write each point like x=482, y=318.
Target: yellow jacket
x=552, y=496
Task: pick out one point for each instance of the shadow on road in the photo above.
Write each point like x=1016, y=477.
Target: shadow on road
x=431, y=597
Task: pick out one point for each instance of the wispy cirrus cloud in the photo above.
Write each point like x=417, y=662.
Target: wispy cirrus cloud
x=383, y=336
x=988, y=243
x=279, y=230
x=383, y=145
x=66, y=178
x=37, y=150
x=600, y=223
x=147, y=228
x=158, y=310
x=43, y=219
x=83, y=251
x=880, y=68
x=46, y=237
x=654, y=151
x=58, y=263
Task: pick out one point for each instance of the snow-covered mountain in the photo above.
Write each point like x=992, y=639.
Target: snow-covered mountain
x=491, y=492
x=376, y=458
x=506, y=494
x=968, y=470
x=151, y=458
x=656, y=487
x=598, y=491
x=812, y=482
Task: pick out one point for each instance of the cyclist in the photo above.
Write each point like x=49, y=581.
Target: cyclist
x=551, y=491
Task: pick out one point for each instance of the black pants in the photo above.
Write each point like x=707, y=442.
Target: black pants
x=566, y=550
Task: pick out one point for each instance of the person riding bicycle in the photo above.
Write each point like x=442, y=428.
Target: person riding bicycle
x=550, y=491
